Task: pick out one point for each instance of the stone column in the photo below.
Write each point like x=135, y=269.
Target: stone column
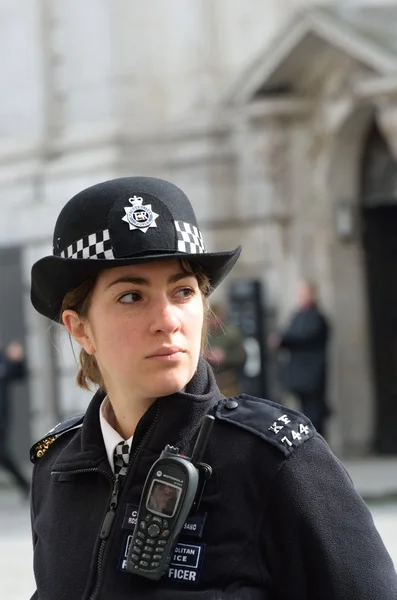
x=54, y=96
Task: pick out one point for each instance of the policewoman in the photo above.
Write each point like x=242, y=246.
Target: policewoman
x=278, y=519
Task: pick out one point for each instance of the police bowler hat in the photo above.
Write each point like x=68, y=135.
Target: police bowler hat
x=121, y=222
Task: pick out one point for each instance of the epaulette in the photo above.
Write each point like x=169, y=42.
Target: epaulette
x=283, y=427
x=38, y=449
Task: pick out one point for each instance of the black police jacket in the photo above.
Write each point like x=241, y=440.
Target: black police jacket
x=279, y=518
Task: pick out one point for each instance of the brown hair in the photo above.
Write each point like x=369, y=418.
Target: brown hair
x=79, y=300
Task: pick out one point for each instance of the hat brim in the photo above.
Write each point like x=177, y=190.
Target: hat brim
x=53, y=276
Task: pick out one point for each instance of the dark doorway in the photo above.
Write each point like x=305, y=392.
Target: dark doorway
x=379, y=226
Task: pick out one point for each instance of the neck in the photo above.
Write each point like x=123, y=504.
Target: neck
x=126, y=411
x=309, y=304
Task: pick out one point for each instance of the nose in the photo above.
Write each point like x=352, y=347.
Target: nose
x=165, y=317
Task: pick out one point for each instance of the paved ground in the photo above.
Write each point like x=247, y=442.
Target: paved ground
x=374, y=477
x=16, y=578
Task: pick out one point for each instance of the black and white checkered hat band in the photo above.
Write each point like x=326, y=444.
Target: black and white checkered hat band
x=96, y=245
x=189, y=238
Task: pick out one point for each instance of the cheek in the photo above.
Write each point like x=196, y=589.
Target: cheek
x=112, y=336
x=194, y=324
x=120, y=336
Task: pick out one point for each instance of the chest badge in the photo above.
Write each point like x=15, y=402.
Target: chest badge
x=139, y=215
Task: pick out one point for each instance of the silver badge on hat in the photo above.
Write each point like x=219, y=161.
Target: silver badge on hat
x=139, y=215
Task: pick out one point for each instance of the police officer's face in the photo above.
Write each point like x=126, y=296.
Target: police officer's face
x=163, y=495
x=144, y=327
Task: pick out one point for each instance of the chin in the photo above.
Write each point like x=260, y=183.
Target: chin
x=170, y=383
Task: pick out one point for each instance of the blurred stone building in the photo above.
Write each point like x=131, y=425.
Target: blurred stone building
x=280, y=123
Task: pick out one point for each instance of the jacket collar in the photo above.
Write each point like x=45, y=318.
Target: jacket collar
x=173, y=420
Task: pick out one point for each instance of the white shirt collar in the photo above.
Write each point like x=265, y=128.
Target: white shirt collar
x=110, y=436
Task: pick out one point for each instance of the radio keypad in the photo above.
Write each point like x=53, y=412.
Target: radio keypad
x=157, y=520
x=154, y=530
x=149, y=542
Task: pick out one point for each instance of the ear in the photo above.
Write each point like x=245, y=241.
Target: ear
x=79, y=329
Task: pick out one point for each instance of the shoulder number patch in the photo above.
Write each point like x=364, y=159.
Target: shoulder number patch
x=282, y=427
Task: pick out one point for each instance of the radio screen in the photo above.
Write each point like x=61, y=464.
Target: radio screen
x=163, y=498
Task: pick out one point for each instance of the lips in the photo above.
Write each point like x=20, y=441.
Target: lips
x=166, y=351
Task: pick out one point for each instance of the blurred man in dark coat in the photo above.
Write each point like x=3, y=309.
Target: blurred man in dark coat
x=12, y=367
x=306, y=339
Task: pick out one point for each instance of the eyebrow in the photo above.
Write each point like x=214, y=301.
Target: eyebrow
x=144, y=281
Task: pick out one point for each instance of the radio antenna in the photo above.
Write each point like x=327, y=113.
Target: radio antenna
x=202, y=439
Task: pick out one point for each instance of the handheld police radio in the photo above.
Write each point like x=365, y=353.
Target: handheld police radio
x=173, y=489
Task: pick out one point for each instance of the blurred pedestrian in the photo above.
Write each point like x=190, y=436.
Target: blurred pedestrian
x=306, y=340
x=225, y=351
x=12, y=367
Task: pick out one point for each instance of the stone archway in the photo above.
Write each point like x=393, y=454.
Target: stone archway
x=351, y=74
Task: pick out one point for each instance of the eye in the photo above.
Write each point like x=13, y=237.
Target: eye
x=186, y=292
x=130, y=298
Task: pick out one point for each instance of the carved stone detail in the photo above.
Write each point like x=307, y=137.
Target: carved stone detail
x=270, y=149
x=387, y=121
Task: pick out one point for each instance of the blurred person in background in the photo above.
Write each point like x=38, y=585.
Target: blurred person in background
x=306, y=339
x=225, y=351
x=12, y=367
